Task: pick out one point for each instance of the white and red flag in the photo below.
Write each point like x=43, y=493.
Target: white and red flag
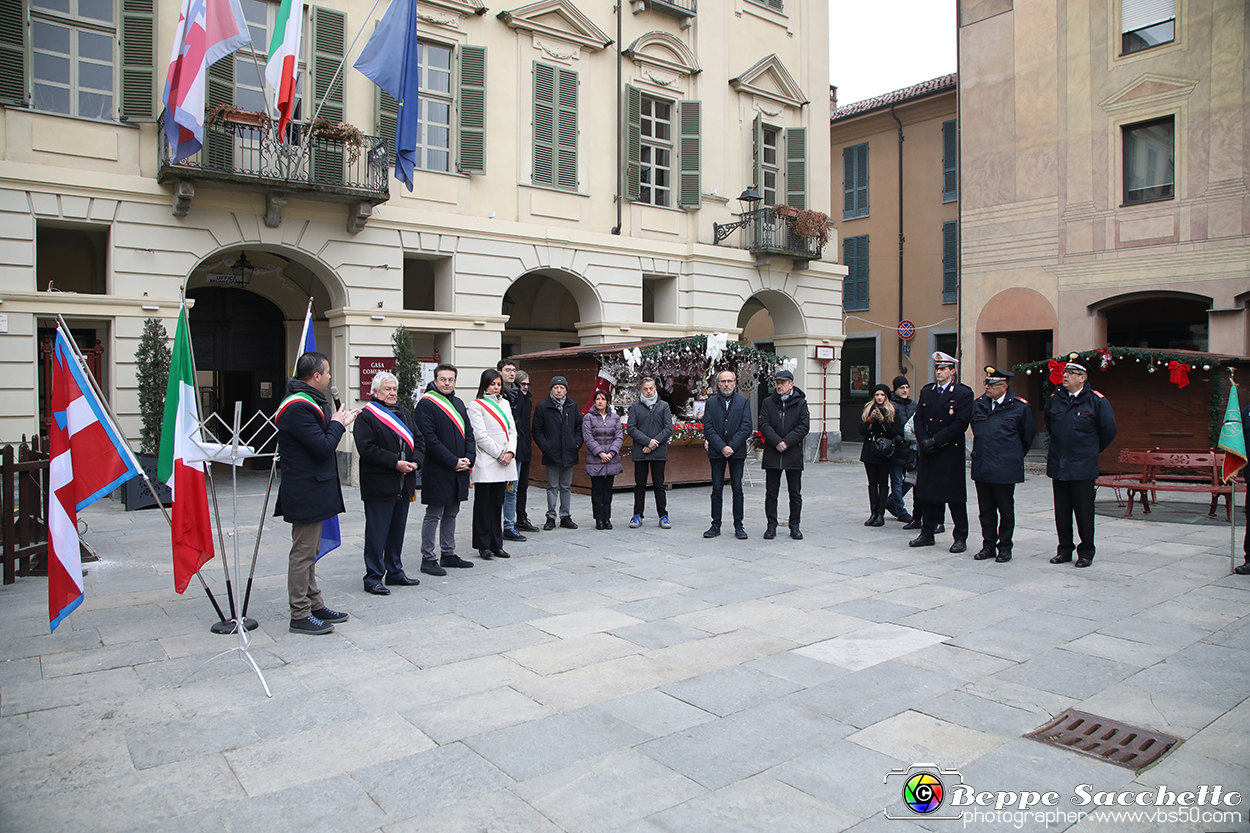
x=88, y=460
x=191, y=531
x=208, y=30
x=283, y=64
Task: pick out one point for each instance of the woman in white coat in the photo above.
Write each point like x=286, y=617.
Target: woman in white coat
x=494, y=432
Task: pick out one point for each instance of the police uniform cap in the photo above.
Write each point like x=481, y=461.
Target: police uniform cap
x=993, y=374
x=1074, y=363
x=941, y=359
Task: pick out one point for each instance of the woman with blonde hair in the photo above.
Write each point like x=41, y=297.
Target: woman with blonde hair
x=879, y=427
x=494, y=432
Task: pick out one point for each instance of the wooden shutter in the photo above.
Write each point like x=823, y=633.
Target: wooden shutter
x=218, y=150
x=796, y=167
x=566, y=129
x=384, y=127
x=13, y=52
x=328, y=43
x=690, y=155
x=633, y=142
x=471, y=99
x=544, y=124
x=138, y=53
x=855, y=181
x=950, y=263
x=855, y=284
x=950, y=150
x=779, y=5
x=757, y=163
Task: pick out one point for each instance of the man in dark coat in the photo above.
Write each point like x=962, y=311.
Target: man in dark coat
x=727, y=427
x=309, y=430
x=1003, y=429
x=650, y=424
x=391, y=450
x=784, y=422
x=942, y=415
x=904, y=455
x=449, y=454
x=1081, y=424
x=557, y=431
x=524, y=449
x=507, y=372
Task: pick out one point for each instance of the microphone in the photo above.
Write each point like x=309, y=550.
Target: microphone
x=334, y=394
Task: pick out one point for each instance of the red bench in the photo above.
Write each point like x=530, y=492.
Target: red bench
x=1155, y=470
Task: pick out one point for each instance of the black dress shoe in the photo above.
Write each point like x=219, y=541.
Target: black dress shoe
x=959, y=546
x=432, y=568
x=712, y=531
x=377, y=590
x=1084, y=561
x=607, y=524
x=549, y=525
x=482, y=554
x=871, y=520
x=796, y=533
x=740, y=533
x=985, y=552
x=454, y=561
x=1004, y=555
x=1061, y=558
x=567, y=523
x=912, y=523
x=939, y=529
x=771, y=532
x=402, y=580
x=526, y=526
x=599, y=524
x=512, y=535
x=921, y=541
x=1242, y=569
x=501, y=554
x=905, y=518
x=878, y=519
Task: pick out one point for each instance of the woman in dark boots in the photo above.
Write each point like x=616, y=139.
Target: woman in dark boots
x=603, y=434
x=879, y=429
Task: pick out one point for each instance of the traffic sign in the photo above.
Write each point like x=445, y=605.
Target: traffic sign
x=906, y=330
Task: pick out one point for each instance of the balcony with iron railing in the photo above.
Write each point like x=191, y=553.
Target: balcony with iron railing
x=683, y=10
x=770, y=231
x=241, y=152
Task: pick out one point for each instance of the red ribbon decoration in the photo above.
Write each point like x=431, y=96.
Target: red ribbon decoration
x=1180, y=373
x=1056, y=371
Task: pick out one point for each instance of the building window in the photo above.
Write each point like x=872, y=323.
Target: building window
x=72, y=57
x=1146, y=23
x=855, y=284
x=855, y=181
x=1149, y=161
x=770, y=169
x=776, y=5
x=656, y=172
x=434, y=116
x=950, y=165
x=249, y=86
x=950, y=263
x=435, y=106
x=780, y=164
x=555, y=126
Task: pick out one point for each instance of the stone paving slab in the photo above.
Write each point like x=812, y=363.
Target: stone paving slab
x=629, y=680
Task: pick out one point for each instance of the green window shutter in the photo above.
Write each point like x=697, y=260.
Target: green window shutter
x=219, y=143
x=950, y=263
x=855, y=284
x=388, y=119
x=796, y=167
x=855, y=181
x=471, y=99
x=950, y=152
x=13, y=52
x=566, y=131
x=544, y=124
x=138, y=52
x=848, y=183
x=757, y=164
x=690, y=155
x=779, y=5
x=328, y=40
x=633, y=142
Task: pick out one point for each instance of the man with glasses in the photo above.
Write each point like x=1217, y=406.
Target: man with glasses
x=1003, y=429
x=727, y=427
x=1081, y=424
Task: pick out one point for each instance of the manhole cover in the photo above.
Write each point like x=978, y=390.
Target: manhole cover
x=1107, y=740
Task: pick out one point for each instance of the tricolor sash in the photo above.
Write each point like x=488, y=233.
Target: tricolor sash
x=384, y=416
x=444, y=404
x=298, y=397
x=501, y=416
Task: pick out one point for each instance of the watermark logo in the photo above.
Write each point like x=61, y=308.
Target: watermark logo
x=924, y=789
x=923, y=792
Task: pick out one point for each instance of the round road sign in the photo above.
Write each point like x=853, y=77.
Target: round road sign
x=906, y=330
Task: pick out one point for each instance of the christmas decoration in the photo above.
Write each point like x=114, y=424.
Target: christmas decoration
x=1104, y=359
x=1180, y=373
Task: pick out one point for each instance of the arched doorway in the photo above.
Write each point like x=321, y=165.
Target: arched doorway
x=1159, y=322
x=544, y=309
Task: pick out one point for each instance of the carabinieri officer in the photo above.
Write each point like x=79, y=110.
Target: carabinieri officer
x=941, y=419
x=1003, y=429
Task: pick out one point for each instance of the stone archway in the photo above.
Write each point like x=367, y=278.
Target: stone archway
x=546, y=308
x=1156, y=320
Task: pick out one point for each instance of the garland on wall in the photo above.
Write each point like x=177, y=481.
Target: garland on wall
x=1175, y=367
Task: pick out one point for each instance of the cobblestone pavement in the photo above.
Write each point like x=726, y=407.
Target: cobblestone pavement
x=632, y=680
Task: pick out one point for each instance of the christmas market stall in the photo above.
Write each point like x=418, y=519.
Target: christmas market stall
x=685, y=371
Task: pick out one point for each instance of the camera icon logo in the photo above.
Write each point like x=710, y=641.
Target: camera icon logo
x=923, y=789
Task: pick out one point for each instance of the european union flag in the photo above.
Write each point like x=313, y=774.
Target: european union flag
x=390, y=61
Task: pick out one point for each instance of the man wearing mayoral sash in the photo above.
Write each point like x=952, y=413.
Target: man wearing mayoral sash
x=449, y=454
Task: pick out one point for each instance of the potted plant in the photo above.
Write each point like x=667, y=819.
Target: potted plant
x=152, y=373
x=229, y=114
x=812, y=226
x=348, y=135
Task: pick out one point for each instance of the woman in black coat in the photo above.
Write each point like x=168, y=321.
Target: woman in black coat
x=879, y=427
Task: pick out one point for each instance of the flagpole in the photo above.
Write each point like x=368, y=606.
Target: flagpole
x=95, y=386
x=303, y=336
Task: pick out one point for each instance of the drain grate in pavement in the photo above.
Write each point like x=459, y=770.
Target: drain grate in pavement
x=1107, y=740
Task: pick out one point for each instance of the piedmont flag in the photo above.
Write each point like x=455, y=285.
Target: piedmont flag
x=283, y=61
x=208, y=30
x=190, y=532
x=390, y=60
x=89, y=460
x=331, y=537
x=1232, y=438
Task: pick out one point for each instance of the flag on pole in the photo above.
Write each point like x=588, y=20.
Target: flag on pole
x=191, y=532
x=1232, y=437
x=331, y=537
x=283, y=63
x=208, y=30
x=89, y=460
x=390, y=60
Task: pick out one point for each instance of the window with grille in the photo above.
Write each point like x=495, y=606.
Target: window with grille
x=656, y=172
x=72, y=57
x=770, y=168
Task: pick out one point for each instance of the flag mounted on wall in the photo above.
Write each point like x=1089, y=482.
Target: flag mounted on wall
x=283, y=64
x=391, y=60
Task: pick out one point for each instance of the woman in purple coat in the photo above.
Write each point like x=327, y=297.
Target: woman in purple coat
x=603, y=434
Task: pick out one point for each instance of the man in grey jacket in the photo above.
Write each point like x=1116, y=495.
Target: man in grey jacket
x=650, y=424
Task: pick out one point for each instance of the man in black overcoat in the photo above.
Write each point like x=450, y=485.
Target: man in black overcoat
x=784, y=422
x=943, y=412
x=727, y=427
x=391, y=450
x=449, y=454
x=557, y=431
x=309, y=430
x=1003, y=429
x=523, y=410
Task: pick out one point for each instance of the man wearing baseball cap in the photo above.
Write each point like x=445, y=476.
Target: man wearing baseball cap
x=942, y=416
x=1003, y=429
x=784, y=422
x=1081, y=424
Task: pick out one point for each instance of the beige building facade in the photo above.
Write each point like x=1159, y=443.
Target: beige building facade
x=1105, y=177
x=512, y=240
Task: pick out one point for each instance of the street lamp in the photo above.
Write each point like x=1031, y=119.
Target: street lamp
x=746, y=201
x=242, y=270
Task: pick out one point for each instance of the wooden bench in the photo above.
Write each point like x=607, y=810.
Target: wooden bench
x=1146, y=472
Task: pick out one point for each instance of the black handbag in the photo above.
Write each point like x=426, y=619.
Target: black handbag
x=884, y=446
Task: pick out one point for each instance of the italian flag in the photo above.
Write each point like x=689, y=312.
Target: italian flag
x=191, y=533
x=283, y=61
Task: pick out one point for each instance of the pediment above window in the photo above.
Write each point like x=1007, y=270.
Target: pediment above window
x=464, y=8
x=558, y=19
x=1148, y=90
x=770, y=79
x=668, y=52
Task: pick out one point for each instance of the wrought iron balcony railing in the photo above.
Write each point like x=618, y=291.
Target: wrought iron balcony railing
x=767, y=232
x=313, y=166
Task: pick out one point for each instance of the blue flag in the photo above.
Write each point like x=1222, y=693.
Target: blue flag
x=331, y=537
x=390, y=61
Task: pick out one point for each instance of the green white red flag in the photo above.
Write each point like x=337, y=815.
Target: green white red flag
x=283, y=63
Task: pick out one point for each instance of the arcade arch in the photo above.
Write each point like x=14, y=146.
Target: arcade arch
x=545, y=307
